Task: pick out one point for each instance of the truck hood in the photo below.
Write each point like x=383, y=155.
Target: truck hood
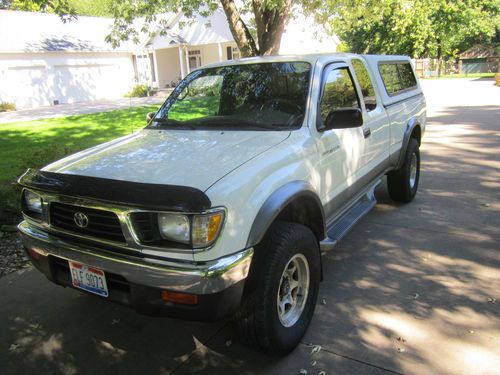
x=193, y=158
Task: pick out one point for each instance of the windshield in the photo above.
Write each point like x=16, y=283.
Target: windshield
x=261, y=96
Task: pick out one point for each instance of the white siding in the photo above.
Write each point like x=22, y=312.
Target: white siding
x=37, y=79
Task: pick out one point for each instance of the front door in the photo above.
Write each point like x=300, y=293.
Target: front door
x=194, y=58
x=340, y=150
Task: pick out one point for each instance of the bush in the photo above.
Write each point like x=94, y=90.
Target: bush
x=5, y=107
x=139, y=91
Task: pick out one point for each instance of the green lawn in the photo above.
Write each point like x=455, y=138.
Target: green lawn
x=196, y=107
x=37, y=143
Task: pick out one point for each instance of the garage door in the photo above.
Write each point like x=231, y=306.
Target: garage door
x=26, y=86
x=78, y=83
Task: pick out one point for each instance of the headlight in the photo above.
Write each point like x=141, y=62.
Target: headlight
x=174, y=227
x=33, y=202
x=196, y=230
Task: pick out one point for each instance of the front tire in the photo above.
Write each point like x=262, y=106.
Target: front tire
x=403, y=183
x=276, y=313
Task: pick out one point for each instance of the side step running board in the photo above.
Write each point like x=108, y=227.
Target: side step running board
x=341, y=226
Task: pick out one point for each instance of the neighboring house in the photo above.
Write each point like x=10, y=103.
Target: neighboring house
x=480, y=59
x=44, y=61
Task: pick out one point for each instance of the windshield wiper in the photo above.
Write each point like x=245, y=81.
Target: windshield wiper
x=234, y=123
x=173, y=124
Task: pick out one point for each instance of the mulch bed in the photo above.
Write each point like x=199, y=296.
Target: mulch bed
x=12, y=255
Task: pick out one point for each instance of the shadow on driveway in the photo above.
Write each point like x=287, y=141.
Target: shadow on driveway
x=411, y=289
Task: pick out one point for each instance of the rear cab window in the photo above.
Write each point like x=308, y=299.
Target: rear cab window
x=398, y=77
x=366, y=84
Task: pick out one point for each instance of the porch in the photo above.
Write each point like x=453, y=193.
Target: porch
x=164, y=67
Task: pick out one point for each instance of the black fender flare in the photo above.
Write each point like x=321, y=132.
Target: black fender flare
x=410, y=126
x=276, y=203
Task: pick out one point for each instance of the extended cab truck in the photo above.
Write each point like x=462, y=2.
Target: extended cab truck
x=223, y=204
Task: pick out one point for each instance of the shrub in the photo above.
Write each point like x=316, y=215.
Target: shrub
x=138, y=91
x=5, y=106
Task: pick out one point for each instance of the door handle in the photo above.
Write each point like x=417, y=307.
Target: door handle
x=367, y=132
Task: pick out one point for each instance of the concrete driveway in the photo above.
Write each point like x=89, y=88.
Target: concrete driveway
x=412, y=289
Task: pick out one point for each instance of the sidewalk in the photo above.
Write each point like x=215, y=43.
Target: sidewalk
x=64, y=110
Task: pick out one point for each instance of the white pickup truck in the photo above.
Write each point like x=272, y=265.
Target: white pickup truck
x=222, y=205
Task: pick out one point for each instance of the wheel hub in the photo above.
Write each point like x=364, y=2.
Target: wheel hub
x=413, y=170
x=293, y=290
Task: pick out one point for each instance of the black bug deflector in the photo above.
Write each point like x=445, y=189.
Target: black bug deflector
x=144, y=195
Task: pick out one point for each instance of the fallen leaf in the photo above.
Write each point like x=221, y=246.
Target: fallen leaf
x=13, y=347
x=492, y=300
x=401, y=350
x=323, y=301
x=228, y=343
x=415, y=296
x=115, y=321
x=470, y=331
x=316, y=349
x=303, y=371
x=313, y=363
x=485, y=204
x=321, y=372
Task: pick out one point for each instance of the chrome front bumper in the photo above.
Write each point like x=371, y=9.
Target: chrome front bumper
x=197, y=278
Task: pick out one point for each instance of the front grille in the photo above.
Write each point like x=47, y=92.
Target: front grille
x=101, y=224
x=146, y=226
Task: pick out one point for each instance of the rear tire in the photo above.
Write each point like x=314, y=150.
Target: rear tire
x=403, y=183
x=276, y=313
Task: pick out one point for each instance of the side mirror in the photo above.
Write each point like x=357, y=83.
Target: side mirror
x=343, y=118
x=150, y=116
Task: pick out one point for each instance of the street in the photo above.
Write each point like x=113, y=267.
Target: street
x=412, y=289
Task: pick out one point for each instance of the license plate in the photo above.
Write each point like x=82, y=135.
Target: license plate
x=88, y=278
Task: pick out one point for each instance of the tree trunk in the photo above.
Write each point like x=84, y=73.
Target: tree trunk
x=440, y=58
x=270, y=26
x=241, y=34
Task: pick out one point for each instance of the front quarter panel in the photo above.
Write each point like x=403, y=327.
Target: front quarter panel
x=244, y=191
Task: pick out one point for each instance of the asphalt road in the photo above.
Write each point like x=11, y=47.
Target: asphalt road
x=412, y=289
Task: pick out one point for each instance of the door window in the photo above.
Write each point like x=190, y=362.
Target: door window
x=338, y=93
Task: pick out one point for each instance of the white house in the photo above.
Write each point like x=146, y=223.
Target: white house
x=44, y=61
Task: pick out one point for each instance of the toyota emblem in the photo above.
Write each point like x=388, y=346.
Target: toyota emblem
x=81, y=220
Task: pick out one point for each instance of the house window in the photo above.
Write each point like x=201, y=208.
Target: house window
x=194, y=58
x=236, y=53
